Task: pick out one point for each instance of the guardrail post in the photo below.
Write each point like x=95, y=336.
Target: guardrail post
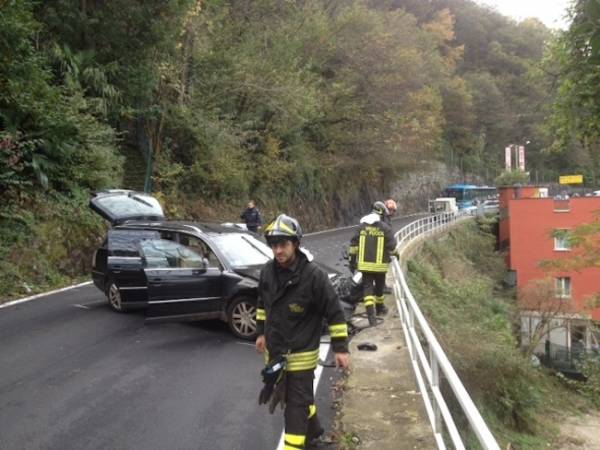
x=435, y=383
x=411, y=326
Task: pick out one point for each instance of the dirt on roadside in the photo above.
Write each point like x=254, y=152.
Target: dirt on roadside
x=580, y=432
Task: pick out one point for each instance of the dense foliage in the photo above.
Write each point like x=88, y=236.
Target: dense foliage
x=574, y=69
x=306, y=106
x=236, y=98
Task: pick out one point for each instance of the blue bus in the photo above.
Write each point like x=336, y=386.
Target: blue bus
x=468, y=195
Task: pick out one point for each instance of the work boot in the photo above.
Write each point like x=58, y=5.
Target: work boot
x=315, y=430
x=371, y=316
x=322, y=442
x=381, y=309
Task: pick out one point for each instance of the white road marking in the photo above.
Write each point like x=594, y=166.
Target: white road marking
x=90, y=305
x=33, y=297
x=77, y=305
x=323, y=351
x=245, y=343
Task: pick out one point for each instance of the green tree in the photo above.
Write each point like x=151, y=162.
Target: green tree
x=575, y=69
x=51, y=134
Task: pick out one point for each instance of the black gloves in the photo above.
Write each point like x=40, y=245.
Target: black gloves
x=265, y=393
x=273, y=376
x=278, y=396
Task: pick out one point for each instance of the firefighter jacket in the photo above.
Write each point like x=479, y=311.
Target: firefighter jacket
x=372, y=246
x=291, y=314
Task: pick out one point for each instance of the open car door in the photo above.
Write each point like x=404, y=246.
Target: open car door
x=181, y=283
x=124, y=266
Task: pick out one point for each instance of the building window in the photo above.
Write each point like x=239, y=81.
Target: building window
x=562, y=242
x=561, y=204
x=563, y=287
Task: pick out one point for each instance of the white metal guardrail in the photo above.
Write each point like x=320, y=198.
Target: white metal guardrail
x=430, y=363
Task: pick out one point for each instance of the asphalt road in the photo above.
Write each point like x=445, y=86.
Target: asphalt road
x=75, y=375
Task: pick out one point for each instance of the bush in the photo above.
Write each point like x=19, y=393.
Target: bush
x=50, y=247
x=512, y=177
x=590, y=368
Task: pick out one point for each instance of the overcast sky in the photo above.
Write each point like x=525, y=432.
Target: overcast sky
x=551, y=12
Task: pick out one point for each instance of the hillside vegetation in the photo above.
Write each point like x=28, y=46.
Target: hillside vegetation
x=457, y=281
x=312, y=107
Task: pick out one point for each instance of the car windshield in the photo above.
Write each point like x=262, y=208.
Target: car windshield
x=242, y=250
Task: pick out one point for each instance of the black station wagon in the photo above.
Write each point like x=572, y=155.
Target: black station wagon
x=176, y=270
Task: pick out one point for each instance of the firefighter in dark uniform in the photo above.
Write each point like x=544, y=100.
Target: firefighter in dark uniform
x=370, y=251
x=294, y=297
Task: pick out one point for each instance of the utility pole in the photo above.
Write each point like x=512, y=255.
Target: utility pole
x=149, y=168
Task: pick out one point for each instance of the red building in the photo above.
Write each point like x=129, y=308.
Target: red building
x=534, y=228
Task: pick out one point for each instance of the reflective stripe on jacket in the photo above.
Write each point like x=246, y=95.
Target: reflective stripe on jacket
x=291, y=316
x=372, y=245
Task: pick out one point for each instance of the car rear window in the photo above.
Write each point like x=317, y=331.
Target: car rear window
x=125, y=243
x=123, y=205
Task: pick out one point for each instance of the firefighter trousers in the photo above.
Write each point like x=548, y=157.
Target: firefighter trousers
x=301, y=422
x=373, y=283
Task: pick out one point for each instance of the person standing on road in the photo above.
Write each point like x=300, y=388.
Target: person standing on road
x=294, y=296
x=391, y=206
x=370, y=252
x=251, y=216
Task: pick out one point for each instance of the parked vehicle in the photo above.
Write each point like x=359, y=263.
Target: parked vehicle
x=491, y=205
x=466, y=195
x=443, y=205
x=177, y=270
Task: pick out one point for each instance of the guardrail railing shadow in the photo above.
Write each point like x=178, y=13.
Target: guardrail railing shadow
x=430, y=364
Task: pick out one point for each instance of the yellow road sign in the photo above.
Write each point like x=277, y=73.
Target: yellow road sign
x=571, y=179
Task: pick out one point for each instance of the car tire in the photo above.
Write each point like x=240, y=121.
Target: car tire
x=241, y=317
x=113, y=296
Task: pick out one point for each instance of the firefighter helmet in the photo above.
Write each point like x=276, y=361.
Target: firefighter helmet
x=283, y=227
x=380, y=208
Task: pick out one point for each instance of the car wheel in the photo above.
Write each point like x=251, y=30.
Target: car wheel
x=113, y=295
x=241, y=317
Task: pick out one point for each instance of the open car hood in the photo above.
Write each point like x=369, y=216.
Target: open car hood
x=120, y=205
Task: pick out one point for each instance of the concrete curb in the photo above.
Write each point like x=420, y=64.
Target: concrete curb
x=382, y=408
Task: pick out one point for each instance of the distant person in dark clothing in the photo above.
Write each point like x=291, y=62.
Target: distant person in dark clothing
x=251, y=216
